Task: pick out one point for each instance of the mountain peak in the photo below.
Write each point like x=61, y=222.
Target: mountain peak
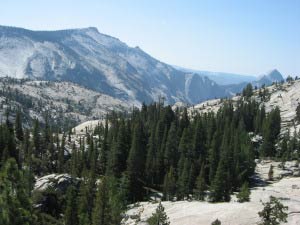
x=100, y=62
x=273, y=71
x=270, y=77
x=95, y=29
x=275, y=75
x=87, y=29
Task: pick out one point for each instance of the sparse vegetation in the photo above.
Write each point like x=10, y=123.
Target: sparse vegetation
x=159, y=217
x=244, y=194
x=273, y=213
x=248, y=91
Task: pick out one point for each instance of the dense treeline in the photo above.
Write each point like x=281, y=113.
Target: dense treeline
x=205, y=156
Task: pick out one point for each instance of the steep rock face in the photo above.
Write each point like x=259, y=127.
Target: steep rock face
x=100, y=62
x=199, y=89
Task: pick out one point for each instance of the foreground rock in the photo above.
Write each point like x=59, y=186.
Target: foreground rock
x=57, y=182
x=197, y=213
x=50, y=191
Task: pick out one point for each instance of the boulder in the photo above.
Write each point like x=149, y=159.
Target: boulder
x=58, y=182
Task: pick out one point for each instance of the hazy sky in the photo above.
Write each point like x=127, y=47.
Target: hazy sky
x=241, y=36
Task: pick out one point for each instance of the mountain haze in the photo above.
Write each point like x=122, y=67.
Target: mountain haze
x=265, y=79
x=269, y=78
x=221, y=78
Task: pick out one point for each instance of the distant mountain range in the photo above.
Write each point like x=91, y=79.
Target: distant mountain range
x=221, y=78
x=105, y=64
x=265, y=79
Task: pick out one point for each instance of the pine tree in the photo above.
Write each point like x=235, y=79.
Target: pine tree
x=61, y=155
x=118, y=154
x=70, y=216
x=199, y=150
x=275, y=122
x=25, y=145
x=37, y=139
x=8, y=123
x=118, y=192
x=15, y=203
x=259, y=119
x=273, y=213
x=284, y=151
x=136, y=163
x=185, y=143
x=101, y=211
x=184, y=122
x=74, y=161
x=151, y=167
x=47, y=131
x=170, y=185
x=86, y=199
x=159, y=217
x=83, y=204
x=201, y=185
x=271, y=130
x=216, y=222
x=11, y=149
x=248, y=91
x=183, y=180
x=160, y=169
x=171, y=151
x=91, y=160
x=104, y=150
x=214, y=156
x=18, y=126
x=244, y=194
x=289, y=79
x=219, y=188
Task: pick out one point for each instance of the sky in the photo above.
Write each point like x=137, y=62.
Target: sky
x=246, y=37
